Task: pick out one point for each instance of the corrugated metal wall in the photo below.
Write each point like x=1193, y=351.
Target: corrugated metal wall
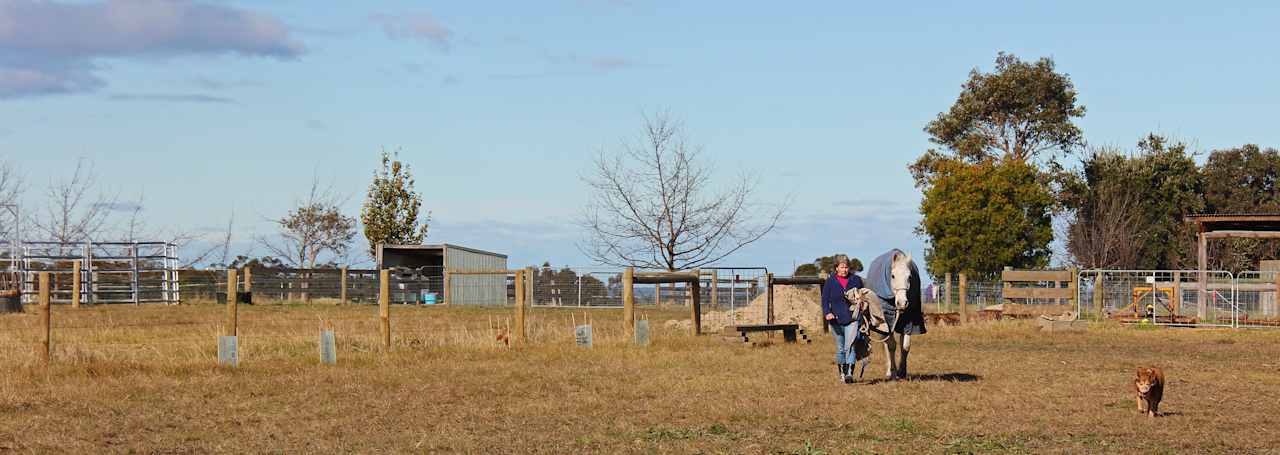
x=490, y=289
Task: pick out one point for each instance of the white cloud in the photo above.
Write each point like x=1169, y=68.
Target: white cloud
x=422, y=26
x=52, y=47
x=171, y=98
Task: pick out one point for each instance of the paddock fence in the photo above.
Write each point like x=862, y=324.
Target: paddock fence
x=1181, y=297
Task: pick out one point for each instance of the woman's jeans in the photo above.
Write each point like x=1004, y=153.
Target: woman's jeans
x=844, y=335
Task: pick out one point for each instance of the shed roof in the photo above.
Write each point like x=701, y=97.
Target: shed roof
x=1210, y=222
x=443, y=246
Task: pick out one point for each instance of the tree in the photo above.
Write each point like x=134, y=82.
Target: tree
x=653, y=205
x=390, y=213
x=252, y=262
x=315, y=226
x=11, y=188
x=1242, y=180
x=984, y=191
x=1017, y=112
x=806, y=270
x=136, y=229
x=826, y=264
x=984, y=216
x=76, y=211
x=1103, y=198
x=1104, y=225
x=557, y=287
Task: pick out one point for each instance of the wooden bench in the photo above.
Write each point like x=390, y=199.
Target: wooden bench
x=791, y=333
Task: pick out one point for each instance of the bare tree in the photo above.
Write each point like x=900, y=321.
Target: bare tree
x=11, y=182
x=1104, y=234
x=183, y=239
x=76, y=210
x=315, y=226
x=653, y=205
x=11, y=188
x=134, y=228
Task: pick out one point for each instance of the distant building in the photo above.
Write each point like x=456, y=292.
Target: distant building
x=425, y=265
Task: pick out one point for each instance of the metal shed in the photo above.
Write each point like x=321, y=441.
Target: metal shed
x=429, y=263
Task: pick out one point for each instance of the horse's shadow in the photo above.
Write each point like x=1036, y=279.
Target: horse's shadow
x=947, y=377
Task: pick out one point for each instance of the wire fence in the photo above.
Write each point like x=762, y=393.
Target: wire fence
x=1256, y=298
x=736, y=295
x=1181, y=297
x=985, y=295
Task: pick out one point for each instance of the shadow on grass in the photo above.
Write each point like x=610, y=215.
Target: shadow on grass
x=946, y=377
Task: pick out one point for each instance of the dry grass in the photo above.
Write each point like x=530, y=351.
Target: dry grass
x=130, y=379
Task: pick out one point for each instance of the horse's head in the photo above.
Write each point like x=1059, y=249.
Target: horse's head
x=900, y=278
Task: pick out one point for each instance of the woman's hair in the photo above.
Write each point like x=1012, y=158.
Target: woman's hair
x=841, y=258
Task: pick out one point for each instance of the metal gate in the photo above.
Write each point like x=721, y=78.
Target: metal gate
x=1159, y=297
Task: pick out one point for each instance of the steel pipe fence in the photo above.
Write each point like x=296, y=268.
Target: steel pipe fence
x=1174, y=297
x=1256, y=299
x=978, y=295
x=111, y=272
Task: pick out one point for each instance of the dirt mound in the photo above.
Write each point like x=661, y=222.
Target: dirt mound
x=791, y=305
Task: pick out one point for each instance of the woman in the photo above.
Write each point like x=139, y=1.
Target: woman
x=844, y=326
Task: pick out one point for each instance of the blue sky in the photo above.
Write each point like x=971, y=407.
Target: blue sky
x=212, y=108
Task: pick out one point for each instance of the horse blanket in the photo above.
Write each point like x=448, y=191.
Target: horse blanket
x=880, y=282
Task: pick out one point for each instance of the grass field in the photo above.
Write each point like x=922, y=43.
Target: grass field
x=145, y=380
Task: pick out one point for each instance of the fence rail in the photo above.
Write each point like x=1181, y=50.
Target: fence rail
x=1181, y=297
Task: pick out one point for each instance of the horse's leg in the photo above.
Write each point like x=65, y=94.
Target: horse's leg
x=889, y=356
x=902, y=363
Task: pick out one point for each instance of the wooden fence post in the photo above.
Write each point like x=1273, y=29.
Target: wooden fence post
x=522, y=285
x=232, y=316
x=75, y=283
x=1005, y=285
x=384, y=306
x=964, y=309
x=768, y=301
x=696, y=307
x=445, y=292
x=1202, y=253
x=657, y=294
x=946, y=295
x=248, y=279
x=629, y=299
x=822, y=317
x=342, y=287
x=529, y=287
x=1275, y=301
x=715, y=288
x=1075, y=289
x=46, y=319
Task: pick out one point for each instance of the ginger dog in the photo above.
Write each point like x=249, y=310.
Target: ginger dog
x=1150, y=387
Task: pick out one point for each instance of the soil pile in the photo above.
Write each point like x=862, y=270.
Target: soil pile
x=791, y=305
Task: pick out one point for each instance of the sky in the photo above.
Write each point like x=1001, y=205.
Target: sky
x=209, y=110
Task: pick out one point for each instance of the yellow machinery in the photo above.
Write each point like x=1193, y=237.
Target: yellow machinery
x=1141, y=293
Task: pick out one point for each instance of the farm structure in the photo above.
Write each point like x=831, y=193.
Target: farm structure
x=1225, y=226
x=101, y=272
x=456, y=274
